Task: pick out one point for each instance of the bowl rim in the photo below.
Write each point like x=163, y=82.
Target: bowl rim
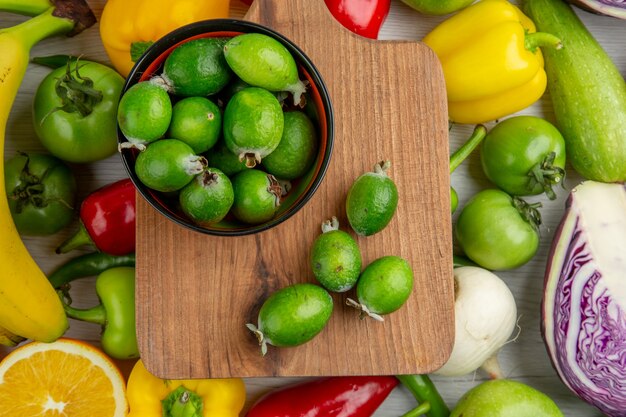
x=195, y=29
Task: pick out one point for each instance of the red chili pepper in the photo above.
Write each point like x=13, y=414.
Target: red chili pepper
x=363, y=17
x=107, y=220
x=349, y=396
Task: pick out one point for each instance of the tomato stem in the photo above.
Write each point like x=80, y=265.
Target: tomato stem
x=528, y=212
x=546, y=174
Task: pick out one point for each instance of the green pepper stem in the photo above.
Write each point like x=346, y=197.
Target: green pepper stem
x=78, y=239
x=458, y=261
x=534, y=40
x=53, y=61
x=25, y=7
x=182, y=402
x=421, y=409
x=425, y=391
x=96, y=314
x=468, y=147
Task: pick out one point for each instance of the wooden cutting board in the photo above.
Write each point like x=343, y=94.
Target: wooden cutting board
x=195, y=292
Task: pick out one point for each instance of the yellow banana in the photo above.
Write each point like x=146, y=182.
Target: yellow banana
x=29, y=306
x=27, y=7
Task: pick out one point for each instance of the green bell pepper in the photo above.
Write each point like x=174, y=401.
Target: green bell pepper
x=115, y=313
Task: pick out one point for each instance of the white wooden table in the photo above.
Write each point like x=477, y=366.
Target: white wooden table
x=523, y=360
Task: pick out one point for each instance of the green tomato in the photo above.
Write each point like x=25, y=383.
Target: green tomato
x=498, y=231
x=505, y=398
x=292, y=316
x=524, y=155
x=76, y=120
x=41, y=192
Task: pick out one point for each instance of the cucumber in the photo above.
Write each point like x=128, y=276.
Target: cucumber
x=588, y=93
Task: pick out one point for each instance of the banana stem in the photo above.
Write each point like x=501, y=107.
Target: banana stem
x=25, y=7
x=38, y=28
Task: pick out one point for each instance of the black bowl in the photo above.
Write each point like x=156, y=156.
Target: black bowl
x=318, y=107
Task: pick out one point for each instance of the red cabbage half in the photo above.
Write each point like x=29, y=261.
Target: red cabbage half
x=584, y=303
x=615, y=8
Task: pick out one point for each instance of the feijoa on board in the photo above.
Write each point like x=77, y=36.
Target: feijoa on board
x=292, y=316
x=372, y=201
x=335, y=258
x=383, y=287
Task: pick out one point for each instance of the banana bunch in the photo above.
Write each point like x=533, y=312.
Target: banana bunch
x=29, y=305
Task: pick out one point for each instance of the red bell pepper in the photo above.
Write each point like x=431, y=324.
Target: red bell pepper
x=348, y=396
x=363, y=17
x=351, y=396
x=107, y=220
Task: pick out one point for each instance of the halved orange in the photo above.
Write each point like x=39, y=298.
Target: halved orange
x=66, y=378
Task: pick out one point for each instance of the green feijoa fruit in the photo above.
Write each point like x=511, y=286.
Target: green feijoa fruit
x=292, y=316
x=262, y=61
x=233, y=87
x=335, y=258
x=144, y=113
x=257, y=196
x=297, y=148
x=372, y=201
x=253, y=124
x=168, y=165
x=207, y=198
x=197, y=68
x=223, y=159
x=197, y=121
x=383, y=287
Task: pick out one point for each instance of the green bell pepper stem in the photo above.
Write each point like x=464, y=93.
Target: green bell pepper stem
x=420, y=410
x=461, y=261
x=425, y=391
x=53, y=61
x=88, y=265
x=460, y=155
x=116, y=312
x=182, y=403
x=468, y=147
x=25, y=7
x=78, y=239
x=96, y=315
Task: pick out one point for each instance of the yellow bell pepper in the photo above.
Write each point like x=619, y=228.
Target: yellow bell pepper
x=491, y=61
x=149, y=396
x=127, y=22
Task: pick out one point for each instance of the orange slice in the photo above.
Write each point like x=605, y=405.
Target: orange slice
x=66, y=378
